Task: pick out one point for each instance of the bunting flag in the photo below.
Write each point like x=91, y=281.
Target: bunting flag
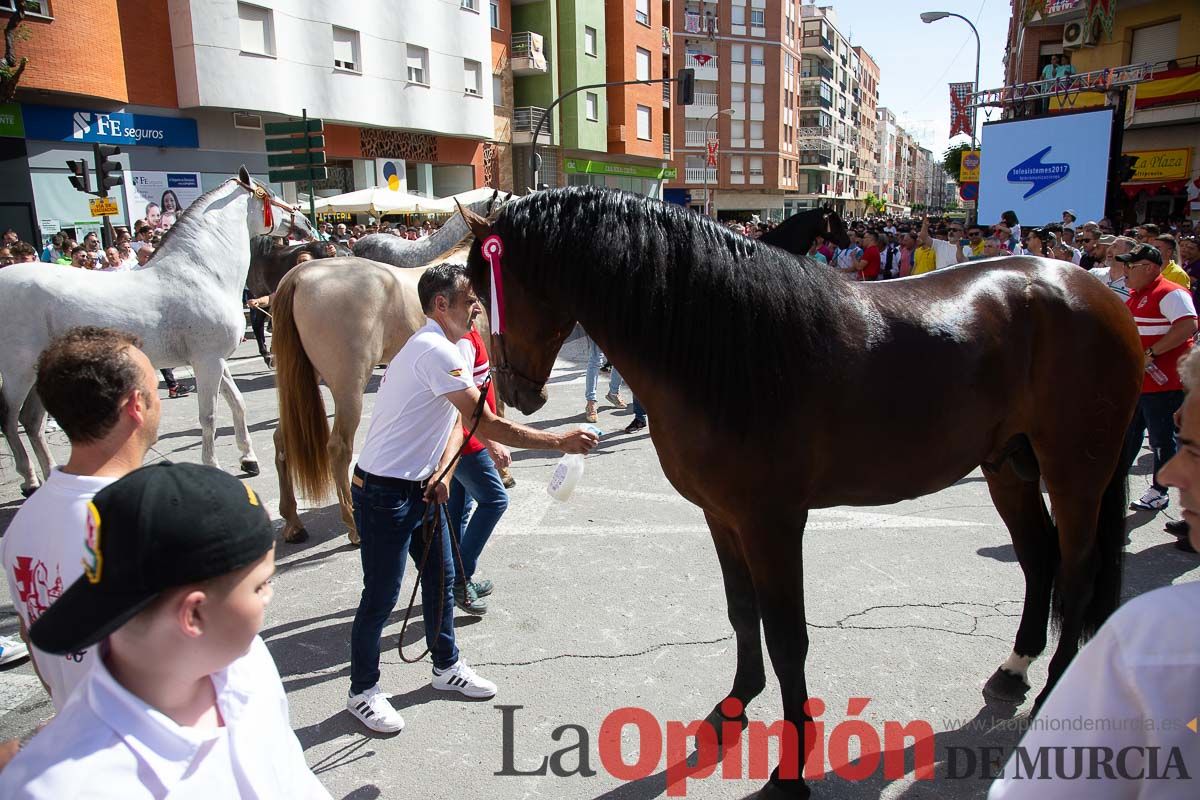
x=1033, y=7
x=1102, y=10
x=962, y=118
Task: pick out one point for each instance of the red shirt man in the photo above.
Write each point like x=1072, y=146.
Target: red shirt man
x=471, y=346
x=868, y=266
x=1156, y=306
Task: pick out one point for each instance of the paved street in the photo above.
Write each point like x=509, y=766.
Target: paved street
x=614, y=599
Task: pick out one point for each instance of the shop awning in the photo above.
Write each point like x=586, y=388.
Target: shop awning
x=1132, y=190
x=381, y=200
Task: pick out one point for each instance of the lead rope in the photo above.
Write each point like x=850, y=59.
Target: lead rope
x=431, y=528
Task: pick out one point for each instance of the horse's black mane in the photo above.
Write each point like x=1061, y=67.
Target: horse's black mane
x=734, y=322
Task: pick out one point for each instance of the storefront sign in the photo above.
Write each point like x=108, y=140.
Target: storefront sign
x=103, y=207
x=11, y=123
x=579, y=165
x=49, y=226
x=79, y=125
x=1161, y=165
x=159, y=197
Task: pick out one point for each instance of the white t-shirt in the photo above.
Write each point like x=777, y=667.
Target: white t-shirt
x=1135, y=685
x=412, y=420
x=945, y=252
x=42, y=553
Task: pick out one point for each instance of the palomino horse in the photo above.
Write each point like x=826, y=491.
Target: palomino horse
x=335, y=319
x=797, y=233
x=1024, y=365
x=186, y=306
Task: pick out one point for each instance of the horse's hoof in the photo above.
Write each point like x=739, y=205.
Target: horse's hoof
x=295, y=536
x=718, y=721
x=27, y=491
x=791, y=790
x=1005, y=686
x=250, y=467
x=509, y=481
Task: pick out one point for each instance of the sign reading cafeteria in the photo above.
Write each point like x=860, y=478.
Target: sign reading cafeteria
x=56, y=124
x=1038, y=167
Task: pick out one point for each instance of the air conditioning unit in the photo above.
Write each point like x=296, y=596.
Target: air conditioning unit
x=1076, y=34
x=249, y=122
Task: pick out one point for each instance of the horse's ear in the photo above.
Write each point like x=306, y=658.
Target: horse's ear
x=244, y=176
x=478, y=225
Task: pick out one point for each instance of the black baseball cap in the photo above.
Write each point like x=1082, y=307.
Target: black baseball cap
x=1143, y=252
x=159, y=527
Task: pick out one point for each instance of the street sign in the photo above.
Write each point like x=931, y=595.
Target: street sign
x=968, y=191
x=291, y=144
x=294, y=126
x=968, y=167
x=103, y=207
x=305, y=174
x=301, y=159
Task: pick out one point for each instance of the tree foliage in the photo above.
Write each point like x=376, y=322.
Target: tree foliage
x=952, y=159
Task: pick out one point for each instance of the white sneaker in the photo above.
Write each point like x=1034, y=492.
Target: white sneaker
x=373, y=710
x=1152, y=500
x=12, y=649
x=461, y=678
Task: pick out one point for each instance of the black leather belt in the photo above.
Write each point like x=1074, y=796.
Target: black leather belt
x=364, y=478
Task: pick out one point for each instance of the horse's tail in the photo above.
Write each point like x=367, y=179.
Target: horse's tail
x=301, y=408
x=1110, y=544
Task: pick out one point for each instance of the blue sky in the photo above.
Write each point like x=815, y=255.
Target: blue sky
x=918, y=61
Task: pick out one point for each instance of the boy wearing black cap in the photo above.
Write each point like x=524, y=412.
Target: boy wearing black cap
x=185, y=698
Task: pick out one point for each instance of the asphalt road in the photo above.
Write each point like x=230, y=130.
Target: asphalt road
x=614, y=600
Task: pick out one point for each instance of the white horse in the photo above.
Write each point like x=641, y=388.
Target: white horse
x=387, y=248
x=186, y=306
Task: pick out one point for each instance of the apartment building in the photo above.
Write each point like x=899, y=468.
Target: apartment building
x=406, y=85
x=867, y=96
x=617, y=137
x=777, y=107
x=1163, y=127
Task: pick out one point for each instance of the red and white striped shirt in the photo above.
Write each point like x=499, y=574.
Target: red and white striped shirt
x=1155, y=308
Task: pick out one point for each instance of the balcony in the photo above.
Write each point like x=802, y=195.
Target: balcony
x=666, y=94
x=666, y=40
x=525, y=119
x=818, y=41
x=705, y=65
x=666, y=145
x=814, y=101
x=698, y=174
x=815, y=158
x=701, y=25
x=697, y=138
x=528, y=55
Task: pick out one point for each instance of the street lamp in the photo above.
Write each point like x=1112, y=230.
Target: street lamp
x=715, y=114
x=933, y=16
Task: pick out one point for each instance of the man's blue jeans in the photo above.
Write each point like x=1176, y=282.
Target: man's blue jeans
x=1155, y=413
x=595, y=361
x=639, y=413
x=389, y=522
x=477, y=479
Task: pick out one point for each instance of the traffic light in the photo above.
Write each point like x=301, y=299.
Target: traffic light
x=1127, y=168
x=79, y=176
x=686, y=94
x=108, y=172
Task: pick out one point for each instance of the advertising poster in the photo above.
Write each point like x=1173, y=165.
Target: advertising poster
x=1040, y=167
x=159, y=197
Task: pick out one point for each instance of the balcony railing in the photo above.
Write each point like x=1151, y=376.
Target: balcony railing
x=666, y=144
x=702, y=62
x=697, y=138
x=525, y=119
x=666, y=93
x=697, y=174
x=706, y=99
x=815, y=157
x=528, y=54
x=814, y=101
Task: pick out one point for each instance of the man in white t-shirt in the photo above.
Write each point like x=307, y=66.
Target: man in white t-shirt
x=1130, y=697
x=104, y=393
x=416, y=430
x=948, y=253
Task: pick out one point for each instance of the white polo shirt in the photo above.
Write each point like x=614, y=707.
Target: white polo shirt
x=413, y=419
x=42, y=555
x=108, y=743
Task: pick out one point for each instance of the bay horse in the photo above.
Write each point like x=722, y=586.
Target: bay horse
x=797, y=233
x=186, y=305
x=269, y=262
x=1024, y=365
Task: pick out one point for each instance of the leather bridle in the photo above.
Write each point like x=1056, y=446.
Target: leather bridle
x=500, y=366
x=268, y=200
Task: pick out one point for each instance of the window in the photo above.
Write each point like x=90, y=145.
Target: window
x=589, y=40
x=1155, y=43
x=497, y=90
x=737, y=54
x=758, y=18
x=257, y=31
x=737, y=129
x=756, y=165
x=591, y=102
x=641, y=12
x=642, y=60
x=469, y=5
x=737, y=15
x=345, y=49
x=756, y=131
x=756, y=93
x=472, y=77
x=643, y=122
x=418, y=64
x=38, y=7
x=737, y=93
x=756, y=55
x=735, y=165
x=494, y=13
